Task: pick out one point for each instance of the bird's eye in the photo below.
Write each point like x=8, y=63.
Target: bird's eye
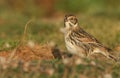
x=71, y=19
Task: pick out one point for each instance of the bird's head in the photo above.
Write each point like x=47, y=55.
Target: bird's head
x=70, y=21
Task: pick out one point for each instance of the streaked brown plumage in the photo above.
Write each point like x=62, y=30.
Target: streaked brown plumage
x=81, y=43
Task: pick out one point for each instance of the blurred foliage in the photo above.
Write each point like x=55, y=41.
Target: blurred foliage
x=15, y=13
x=97, y=7
x=99, y=17
x=57, y=69
x=48, y=7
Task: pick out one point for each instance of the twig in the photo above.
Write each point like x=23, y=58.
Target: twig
x=20, y=43
x=24, y=33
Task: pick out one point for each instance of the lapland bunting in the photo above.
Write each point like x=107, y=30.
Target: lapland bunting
x=81, y=43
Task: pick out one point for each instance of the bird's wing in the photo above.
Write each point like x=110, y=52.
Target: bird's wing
x=84, y=37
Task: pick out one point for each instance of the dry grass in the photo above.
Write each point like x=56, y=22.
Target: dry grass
x=32, y=59
x=40, y=51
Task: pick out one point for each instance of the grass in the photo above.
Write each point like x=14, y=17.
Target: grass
x=104, y=29
x=101, y=27
x=100, y=21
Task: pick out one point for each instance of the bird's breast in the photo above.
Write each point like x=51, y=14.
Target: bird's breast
x=70, y=47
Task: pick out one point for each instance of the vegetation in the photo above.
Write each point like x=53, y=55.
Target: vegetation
x=100, y=18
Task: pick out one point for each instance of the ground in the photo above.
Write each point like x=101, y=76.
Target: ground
x=43, y=54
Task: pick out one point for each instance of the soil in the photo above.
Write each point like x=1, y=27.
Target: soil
x=36, y=52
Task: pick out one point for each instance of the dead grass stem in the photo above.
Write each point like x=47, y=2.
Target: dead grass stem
x=22, y=41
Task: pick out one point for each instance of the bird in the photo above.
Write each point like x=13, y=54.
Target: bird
x=79, y=42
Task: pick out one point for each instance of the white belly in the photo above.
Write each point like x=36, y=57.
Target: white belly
x=72, y=49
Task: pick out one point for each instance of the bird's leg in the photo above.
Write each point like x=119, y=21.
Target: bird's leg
x=88, y=54
x=73, y=67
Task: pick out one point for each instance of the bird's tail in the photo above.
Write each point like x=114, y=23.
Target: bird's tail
x=113, y=57
x=109, y=54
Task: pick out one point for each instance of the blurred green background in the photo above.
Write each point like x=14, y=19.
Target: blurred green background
x=50, y=7
x=99, y=17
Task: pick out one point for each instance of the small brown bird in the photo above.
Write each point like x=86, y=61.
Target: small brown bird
x=80, y=43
